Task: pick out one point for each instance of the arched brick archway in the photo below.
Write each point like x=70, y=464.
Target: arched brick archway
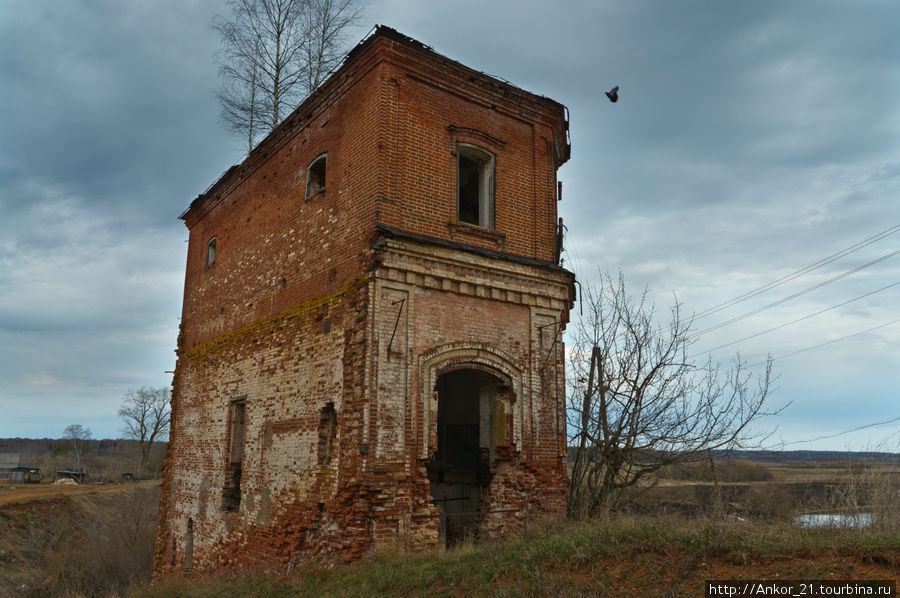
x=492, y=362
x=471, y=393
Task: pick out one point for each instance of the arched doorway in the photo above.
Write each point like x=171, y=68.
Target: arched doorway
x=459, y=471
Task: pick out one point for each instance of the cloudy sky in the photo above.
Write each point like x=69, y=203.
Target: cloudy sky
x=751, y=141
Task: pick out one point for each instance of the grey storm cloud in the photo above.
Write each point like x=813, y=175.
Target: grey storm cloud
x=750, y=139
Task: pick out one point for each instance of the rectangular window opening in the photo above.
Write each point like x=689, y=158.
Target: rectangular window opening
x=475, y=186
x=231, y=494
x=315, y=176
x=327, y=433
x=211, y=252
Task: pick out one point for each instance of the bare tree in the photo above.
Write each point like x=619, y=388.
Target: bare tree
x=637, y=401
x=146, y=413
x=275, y=53
x=77, y=434
x=327, y=22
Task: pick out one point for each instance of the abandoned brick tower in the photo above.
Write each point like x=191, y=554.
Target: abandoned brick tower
x=371, y=345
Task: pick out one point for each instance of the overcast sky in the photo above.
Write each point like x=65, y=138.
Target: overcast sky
x=751, y=140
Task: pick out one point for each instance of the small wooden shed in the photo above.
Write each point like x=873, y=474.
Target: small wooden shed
x=25, y=474
x=8, y=463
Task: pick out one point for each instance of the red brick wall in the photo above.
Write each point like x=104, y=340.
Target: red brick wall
x=388, y=128
x=427, y=119
x=276, y=248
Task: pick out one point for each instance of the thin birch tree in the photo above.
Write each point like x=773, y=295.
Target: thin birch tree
x=275, y=53
x=78, y=435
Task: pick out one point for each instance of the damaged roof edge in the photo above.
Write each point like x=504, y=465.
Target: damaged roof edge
x=393, y=34
x=390, y=33
x=377, y=32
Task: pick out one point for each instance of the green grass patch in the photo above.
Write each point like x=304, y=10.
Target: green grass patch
x=563, y=558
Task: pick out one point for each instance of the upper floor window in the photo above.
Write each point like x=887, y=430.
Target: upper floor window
x=474, y=186
x=315, y=176
x=211, y=252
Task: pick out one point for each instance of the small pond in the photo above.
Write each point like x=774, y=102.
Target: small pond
x=834, y=519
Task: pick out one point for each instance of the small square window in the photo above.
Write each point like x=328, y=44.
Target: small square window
x=475, y=186
x=315, y=176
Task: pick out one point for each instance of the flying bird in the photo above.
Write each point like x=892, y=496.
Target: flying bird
x=613, y=94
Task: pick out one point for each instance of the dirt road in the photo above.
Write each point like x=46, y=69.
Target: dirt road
x=18, y=493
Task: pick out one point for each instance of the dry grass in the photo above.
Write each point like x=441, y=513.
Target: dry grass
x=100, y=545
x=872, y=489
x=620, y=555
x=79, y=546
x=23, y=493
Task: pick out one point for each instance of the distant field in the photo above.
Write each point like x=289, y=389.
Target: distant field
x=773, y=491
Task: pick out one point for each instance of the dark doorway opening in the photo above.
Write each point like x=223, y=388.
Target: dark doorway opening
x=460, y=469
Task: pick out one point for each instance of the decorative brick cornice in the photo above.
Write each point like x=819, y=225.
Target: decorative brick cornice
x=456, y=270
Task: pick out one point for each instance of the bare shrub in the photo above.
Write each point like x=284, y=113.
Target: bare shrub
x=874, y=490
x=767, y=502
x=105, y=549
x=637, y=402
x=861, y=489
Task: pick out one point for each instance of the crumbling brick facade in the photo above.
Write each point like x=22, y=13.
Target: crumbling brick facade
x=371, y=344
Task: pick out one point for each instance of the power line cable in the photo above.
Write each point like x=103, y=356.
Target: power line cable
x=798, y=273
x=798, y=294
x=882, y=423
x=797, y=320
x=837, y=340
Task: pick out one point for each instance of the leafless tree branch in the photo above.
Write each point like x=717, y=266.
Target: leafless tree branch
x=78, y=434
x=274, y=53
x=636, y=402
x=146, y=413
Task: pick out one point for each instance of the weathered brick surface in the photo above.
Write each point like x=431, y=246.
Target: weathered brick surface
x=359, y=299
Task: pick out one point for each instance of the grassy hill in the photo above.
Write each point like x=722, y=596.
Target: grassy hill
x=616, y=556
x=690, y=526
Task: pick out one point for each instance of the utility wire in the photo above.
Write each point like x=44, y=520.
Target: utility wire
x=837, y=340
x=797, y=320
x=798, y=273
x=797, y=294
x=885, y=422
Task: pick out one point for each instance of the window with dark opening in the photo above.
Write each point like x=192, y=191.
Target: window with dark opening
x=475, y=186
x=327, y=430
x=189, y=548
x=315, y=176
x=231, y=495
x=211, y=252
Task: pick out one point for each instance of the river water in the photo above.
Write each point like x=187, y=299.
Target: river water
x=834, y=519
